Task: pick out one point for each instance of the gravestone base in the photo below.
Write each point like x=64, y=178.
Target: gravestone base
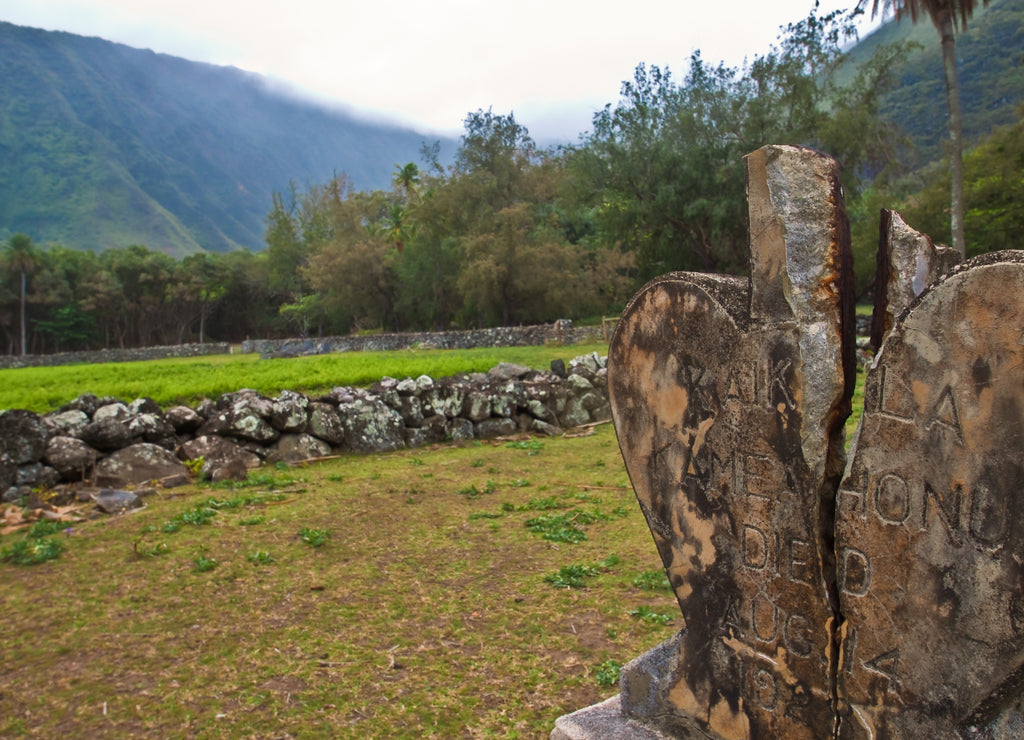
x=642, y=711
x=603, y=721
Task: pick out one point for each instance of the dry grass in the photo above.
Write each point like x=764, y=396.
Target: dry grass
x=425, y=613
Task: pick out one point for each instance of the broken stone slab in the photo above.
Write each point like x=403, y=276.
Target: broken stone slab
x=729, y=398
x=907, y=263
x=603, y=721
x=929, y=534
x=111, y=501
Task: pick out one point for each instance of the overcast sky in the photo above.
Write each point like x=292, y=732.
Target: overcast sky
x=427, y=63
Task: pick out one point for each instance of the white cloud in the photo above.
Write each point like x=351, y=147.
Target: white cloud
x=430, y=63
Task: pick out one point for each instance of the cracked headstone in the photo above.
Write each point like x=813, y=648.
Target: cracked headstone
x=929, y=537
x=886, y=603
x=729, y=399
x=907, y=263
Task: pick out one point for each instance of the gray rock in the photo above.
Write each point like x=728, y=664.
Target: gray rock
x=477, y=406
x=111, y=501
x=23, y=436
x=540, y=411
x=289, y=412
x=145, y=406
x=246, y=422
x=447, y=400
x=542, y=427
x=183, y=419
x=37, y=475
x=490, y=428
x=459, y=430
x=206, y=408
x=216, y=452
x=107, y=434
x=584, y=364
x=508, y=371
x=139, y=463
x=503, y=405
x=591, y=401
x=112, y=411
x=325, y=423
x=297, y=447
x=411, y=411
x=392, y=398
x=419, y=437
x=87, y=403
x=579, y=384
x=408, y=387
x=69, y=423
x=72, y=458
x=18, y=495
x=372, y=426
x=574, y=415
x=234, y=470
x=153, y=428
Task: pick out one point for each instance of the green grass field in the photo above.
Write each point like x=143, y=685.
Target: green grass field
x=447, y=592
x=188, y=380
x=452, y=592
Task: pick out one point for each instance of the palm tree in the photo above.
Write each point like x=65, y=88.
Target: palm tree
x=20, y=256
x=407, y=177
x=948, y=16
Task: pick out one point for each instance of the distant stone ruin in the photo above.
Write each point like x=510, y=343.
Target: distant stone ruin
x=880, y=597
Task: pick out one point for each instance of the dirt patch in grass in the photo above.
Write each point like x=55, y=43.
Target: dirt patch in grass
x=424, y=613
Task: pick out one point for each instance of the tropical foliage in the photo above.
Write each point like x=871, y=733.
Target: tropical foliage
x=948, y=16
x=512, y=233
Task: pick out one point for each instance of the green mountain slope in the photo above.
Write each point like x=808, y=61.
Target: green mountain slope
x=990, y=69
x=104, y=145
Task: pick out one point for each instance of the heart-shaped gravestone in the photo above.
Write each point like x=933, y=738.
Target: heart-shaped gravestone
x=728, y=398
x=930, y=518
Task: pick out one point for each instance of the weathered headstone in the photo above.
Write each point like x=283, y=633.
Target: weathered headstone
x=883, y=602
x=729, y=400
x=929, y=532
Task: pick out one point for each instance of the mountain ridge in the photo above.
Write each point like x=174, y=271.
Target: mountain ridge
x=141, y=147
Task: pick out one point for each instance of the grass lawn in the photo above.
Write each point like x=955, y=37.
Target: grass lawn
x=448, y=592
x=424, y=593
x=189, y=379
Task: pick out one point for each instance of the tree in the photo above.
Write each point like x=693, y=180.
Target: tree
x=948, y=16
x=21, y=257
x=993, y=186
x=664, y=167
x=407, y=177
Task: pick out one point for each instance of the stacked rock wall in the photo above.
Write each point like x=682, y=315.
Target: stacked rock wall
x=113, y=443
x=114, y=355
x=560, y=332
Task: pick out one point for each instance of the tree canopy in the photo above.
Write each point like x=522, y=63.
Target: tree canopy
x=511, y=233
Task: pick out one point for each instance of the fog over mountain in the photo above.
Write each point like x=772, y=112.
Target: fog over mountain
x=105, y=146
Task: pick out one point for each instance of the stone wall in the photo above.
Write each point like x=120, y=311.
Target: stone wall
x=116, y=444
x=115, y=355
x=560, y=332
